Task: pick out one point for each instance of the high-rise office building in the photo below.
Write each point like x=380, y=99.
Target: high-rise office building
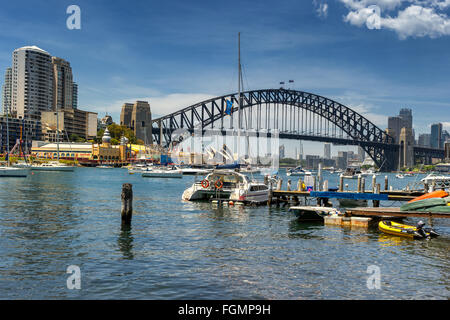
x=75, y=96
x=406, y=116
x=327, y=151
x=6, y=91
x=436, y=136
x=138, y=117
x=32, y=82
x=62, y=84
x=424, y=140
x=395, y=125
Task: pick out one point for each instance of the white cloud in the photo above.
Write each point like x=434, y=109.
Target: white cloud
x=408, y=18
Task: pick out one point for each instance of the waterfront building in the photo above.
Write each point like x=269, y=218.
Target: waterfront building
x=32, y=83
x=67, y=151
x=108, y=152
x=436, y=136
x=138, y=117
x=62, y=84
x=6, y=91
x=71, y=122
x=327, y=151
x=28, y=129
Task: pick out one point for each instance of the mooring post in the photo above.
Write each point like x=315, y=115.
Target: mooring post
x=359, y=183
x=363, y=184
x=325, y=185
x=376, y=203
x=269, y=201
x=279, y=184
x=386, y=183
x=319, y=176
x=289, y=182
x=374, y=183
x=127, y=203
x=341, y=183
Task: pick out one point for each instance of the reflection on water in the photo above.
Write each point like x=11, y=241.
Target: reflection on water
x=182, y=250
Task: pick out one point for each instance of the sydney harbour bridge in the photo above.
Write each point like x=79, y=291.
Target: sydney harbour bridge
x=292, y=114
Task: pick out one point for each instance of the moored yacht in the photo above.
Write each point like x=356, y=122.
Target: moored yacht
x=13, y=172
x=52, y=166
x=228, y=184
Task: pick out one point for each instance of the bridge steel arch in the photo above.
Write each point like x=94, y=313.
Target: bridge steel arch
x=210, y=114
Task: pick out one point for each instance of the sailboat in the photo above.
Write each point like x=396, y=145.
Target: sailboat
x=8, y=171
x=53, y=165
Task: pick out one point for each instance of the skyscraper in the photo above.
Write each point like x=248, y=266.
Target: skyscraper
x=32, y=82
x=75, y=96
x=436, y=136
x=327, y=151
x=62, y=84
x=406, y=116
x=6, y=91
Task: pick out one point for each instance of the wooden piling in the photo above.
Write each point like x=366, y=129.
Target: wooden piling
x=386, y=183
x=279, y=184
x=359, y=183
x=376, y=203
x=363, y=184
x=127, y=203
x=289, y=182
x=374, y=183
x=341, y=183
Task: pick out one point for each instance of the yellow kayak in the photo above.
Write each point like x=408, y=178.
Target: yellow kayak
x=403, y=230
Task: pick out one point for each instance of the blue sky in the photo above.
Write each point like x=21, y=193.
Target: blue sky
x=175, y=53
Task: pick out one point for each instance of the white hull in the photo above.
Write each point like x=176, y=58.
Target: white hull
x=13, y=172
x=163, y=174
x=52, y=168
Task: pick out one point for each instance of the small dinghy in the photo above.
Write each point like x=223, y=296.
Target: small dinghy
x=403, y=230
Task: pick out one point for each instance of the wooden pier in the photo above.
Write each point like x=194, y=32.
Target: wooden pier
x=394, y=212
x=389, y=195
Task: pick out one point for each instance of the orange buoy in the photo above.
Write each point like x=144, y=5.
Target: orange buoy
x=434, y=194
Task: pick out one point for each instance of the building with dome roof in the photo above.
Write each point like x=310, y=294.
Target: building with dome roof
x=108, y=152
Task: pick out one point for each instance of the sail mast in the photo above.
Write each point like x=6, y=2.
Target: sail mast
x=239, y=97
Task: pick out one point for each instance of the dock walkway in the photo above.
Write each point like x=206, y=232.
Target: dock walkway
x=394, y=212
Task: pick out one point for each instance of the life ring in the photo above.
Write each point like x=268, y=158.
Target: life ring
x=219, y=184
x=205, y=184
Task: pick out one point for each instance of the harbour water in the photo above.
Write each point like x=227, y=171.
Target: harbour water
x=181, y=250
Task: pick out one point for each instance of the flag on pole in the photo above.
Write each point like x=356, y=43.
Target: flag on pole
x=229, y=109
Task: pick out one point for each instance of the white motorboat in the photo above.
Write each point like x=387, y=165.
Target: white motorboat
x=139, y=168
x=399, y=176
x=439, y=181
x=52, y=166
x=104, y=167
x=163, y=173
x=351, y=173
x=13, y=172
x=298, y=171
x=228, y=184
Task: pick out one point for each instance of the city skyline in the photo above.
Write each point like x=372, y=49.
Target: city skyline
x=180, y=62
